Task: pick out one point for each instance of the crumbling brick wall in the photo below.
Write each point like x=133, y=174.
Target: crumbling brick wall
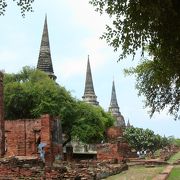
x=24, y=135
x=116, y=148
x=2, y=133
x=21, y=137
x=110, y=151
x=113, y=133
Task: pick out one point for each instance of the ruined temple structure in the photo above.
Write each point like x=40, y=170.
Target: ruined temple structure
x=21, y=137
x=44, y=61
x=116, y=148
x=2, y=130
x=24, y=135
x=114, y=109
x=128, y=124
x=89, y=94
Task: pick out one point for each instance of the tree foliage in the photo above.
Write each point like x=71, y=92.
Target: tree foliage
x=31, y=93
x=174, y=141
x=153, y=24
x=159, y=86
x=138, y=23
x=141, y=139
x=24, y=5
x=91, y=123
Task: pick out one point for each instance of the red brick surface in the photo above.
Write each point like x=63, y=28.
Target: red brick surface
x=2, y=133
x=114, y=132
x=13, y=168
x=22, y=137
x=109, y=151
x=116, y=148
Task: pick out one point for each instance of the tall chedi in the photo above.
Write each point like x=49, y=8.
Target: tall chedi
x=89, y=94
x=114, y=109
x=44, y=61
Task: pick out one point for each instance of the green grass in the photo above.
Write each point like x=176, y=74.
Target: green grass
x=174, y=158
x=175, y=173
x=138, y=172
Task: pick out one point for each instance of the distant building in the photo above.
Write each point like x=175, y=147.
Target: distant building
x=44, y=60
x=114, y=109
x=21, y=137
x=89, y=94
x=128, y=124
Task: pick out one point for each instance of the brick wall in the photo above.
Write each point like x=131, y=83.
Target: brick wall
x=107, y=151
x=23, y=136
x=2, y=133
x=15, y=168
x=116, y=148
x=113, y=133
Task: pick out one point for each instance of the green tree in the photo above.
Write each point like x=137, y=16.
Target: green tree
x=31, y=93
x=91, y=123
x=24, y=5
x=153, y=24
x=141, y=139
x=173, y=141
x=160, y=86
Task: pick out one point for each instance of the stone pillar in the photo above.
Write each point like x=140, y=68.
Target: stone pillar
x=2, y=126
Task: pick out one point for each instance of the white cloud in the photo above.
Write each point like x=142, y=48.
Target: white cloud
x=100, y=54
x=7, y=56
x=8, y=60
x=70, y=67
x=84, y=14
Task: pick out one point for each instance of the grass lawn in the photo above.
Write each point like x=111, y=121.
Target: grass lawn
x=175, y=173
x=138, y=173
x=174, y=158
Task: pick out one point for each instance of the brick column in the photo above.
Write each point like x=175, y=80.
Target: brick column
x=2, y=131
x=46, y=137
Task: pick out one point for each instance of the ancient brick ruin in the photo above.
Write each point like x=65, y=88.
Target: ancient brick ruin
x=24, y=135
x=2, y=133
x=116, y=148
x=21, y=137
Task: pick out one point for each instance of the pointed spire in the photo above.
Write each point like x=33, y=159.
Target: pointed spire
x=89, y=94
x=44, y=61
x=89, y=88
x=114, y=108
x=113, y=102
x=128, y=124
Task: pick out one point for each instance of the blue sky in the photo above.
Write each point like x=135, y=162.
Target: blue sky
x=74, y=31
